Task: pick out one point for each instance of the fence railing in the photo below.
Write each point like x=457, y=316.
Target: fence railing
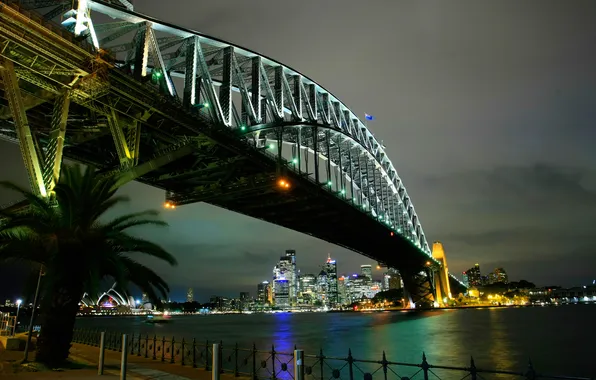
x=270, y=364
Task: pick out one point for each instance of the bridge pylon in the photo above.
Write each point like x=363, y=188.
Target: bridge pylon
x=441, y=274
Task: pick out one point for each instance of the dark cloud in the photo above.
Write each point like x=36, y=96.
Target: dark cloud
x=486, y=108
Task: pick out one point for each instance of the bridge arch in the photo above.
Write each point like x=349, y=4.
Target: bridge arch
x=242, y=89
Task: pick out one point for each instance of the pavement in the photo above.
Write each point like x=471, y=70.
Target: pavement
x=87, y=357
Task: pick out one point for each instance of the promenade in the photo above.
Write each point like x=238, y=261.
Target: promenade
x=86, y=357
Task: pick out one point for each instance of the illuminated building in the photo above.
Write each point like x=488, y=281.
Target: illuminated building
x=366, y=271
x=264, y=292
x=395, y=281
x=473, y=276
x=330, y=269
x=282, y=293
x=501, y=275
x=308, y=289
x=190, y=295
x=322, y=286
x=286, y=269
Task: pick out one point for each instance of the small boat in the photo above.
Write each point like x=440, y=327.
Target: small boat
x=153, y=319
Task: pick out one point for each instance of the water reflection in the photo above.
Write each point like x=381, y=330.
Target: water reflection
x=496, y=338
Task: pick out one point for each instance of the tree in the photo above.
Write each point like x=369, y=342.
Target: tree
x=77, y=250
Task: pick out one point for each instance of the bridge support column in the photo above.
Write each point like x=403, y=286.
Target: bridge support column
x=418, y=286
x=43, y=171
x=127, y=141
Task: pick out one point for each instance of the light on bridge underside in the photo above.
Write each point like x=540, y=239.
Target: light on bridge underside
x=392, y=233
x=295, y=160
x=343, y=191
x=271, y=146
x=169, y=205
x=428, y=263
x=243, y=128
x=329, y=183
x=283, y=184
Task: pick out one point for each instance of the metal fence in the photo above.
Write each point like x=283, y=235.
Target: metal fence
x=270, y=364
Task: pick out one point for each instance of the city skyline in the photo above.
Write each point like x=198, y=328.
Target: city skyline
x=509, y=132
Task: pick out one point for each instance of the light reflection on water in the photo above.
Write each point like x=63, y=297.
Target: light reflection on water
x=559, y=340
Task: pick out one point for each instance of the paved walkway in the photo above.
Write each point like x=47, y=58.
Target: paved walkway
x=139, y=368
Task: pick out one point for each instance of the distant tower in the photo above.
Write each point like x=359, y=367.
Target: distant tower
x=443, y=275
x=190, y=295
x=366, y=271
x=330, y=269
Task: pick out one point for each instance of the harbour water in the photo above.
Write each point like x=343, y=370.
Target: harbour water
x=559, y=340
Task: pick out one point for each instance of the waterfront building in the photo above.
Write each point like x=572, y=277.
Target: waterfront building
x=282, y=293
x=473, y=276
x=395, y=280
x=263, y=292
x=308, y=289
x=501, y=275
x=330, y=269
x=322, y=286
x=342, y=290
x=366, y=271
x=286, y=269
x=190, y=295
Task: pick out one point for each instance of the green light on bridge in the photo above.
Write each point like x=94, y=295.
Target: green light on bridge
x=343, y=191
x=295, y=161
x=243, y=128
x=271, y=146
x=329, y=183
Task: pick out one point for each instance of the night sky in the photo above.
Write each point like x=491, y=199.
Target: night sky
x=487, y=110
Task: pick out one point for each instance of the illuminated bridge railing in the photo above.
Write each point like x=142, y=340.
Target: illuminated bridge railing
x=258, y=364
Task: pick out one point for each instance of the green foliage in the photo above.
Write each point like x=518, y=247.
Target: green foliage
x=78, y=250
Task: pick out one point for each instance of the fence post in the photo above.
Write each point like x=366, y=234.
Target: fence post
x=124, y=361
x=194, y=353
x=146, y=346
x=139, y=344
x=424, y=366
x=384, y=365
x=132, y=343
x=273, y=374
x=102, y=348
x=472, y=369
x=163, y=348
x=322, y=363
x=254, y=361
x=207, y=355
x=350, y=364
x=154, y=346
x=298, y=364
x=215, y=370
x=172, y=347
x=530, y=373
x=236, y=360
x=182, y=352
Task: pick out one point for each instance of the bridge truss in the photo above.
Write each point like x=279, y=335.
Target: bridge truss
x=201, y=118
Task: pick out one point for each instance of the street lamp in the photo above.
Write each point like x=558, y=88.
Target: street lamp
x=16, y=321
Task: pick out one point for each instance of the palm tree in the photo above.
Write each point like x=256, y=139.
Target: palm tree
x=77, y=250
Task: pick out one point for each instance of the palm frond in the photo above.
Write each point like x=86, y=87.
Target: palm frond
x=125, y=243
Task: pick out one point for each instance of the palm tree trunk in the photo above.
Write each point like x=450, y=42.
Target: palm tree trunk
x=58, y=316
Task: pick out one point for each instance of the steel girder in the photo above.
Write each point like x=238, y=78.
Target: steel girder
x=223, y=85
x=281, y=94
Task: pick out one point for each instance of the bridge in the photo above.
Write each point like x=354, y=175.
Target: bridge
x=206, y=121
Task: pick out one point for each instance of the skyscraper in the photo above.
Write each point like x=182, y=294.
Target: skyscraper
x=282, y=293
x=330, y=269
x=308, y=289
x=293, y=278
x=501, y=276
x=366, y=271
x=286, y=269
x=263, y=290
x=473, y=276
x=190, y=295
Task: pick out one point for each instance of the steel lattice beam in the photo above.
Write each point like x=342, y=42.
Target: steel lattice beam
x=26, y=143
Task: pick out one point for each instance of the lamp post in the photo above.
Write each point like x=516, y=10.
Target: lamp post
x=30, y=330
x=16, y=321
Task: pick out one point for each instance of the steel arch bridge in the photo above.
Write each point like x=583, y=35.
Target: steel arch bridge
x=204, y=120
